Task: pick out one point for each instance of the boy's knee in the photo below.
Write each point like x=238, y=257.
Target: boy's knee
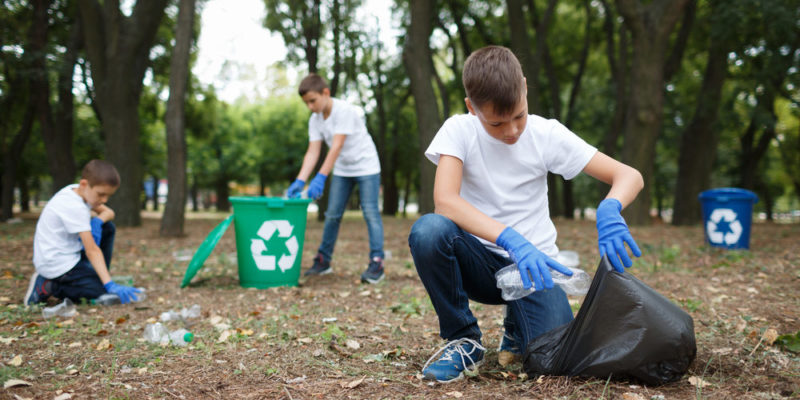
x=109, y=228
x=429, y=229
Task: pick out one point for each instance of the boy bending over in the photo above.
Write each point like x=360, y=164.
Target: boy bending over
x=490, y=194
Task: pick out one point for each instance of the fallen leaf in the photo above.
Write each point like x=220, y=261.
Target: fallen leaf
x=769, y=336
x=101, y=332
x=63, y=396
x=632, y=396
x=15, y=382
x=506, y=358
x=722, y=351
x=352, y=344
x=4, y=299
x=5, y=340
x=305, y=340
x=698, y=382
x=72, y=372
x=455, y=394
x=224, y=336
x=354, y=384
x=74, y=344
x=741, y=325
x=104, y=345
x=245, y=332
x=16, y=361
x=120, y=320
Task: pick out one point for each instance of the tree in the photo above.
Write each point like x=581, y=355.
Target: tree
x=417, y=60
x=118, y=48
x=172, y=221
x=300, y=24
x=651, y=25
x=698, y=145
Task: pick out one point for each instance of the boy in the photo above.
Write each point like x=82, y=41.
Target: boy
x=490, y=194
x=353, y=159
x=71, y=249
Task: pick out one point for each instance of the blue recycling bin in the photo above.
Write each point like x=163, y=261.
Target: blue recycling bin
x=727, y=216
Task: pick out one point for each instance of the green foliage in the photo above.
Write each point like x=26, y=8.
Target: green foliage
x=789, y=342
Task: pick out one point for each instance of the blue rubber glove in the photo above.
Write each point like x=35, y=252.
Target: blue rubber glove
x=612, y=232
x=97, y=229
x=126, y=293
x=530, y=261
x=316, y=186
x=295, y=188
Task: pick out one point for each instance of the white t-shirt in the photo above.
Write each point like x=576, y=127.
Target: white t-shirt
x=358, y=156
x=509, y=182
x=56, y=244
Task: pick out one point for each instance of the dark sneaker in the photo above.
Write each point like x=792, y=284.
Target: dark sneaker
x=320, y=267
x=39, y=289
x=374, y=272
x=456, y=357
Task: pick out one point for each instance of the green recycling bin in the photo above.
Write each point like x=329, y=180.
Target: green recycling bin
x=269, y=240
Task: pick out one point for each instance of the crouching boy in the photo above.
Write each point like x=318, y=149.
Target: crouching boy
x=71, y=248
x=490, y=194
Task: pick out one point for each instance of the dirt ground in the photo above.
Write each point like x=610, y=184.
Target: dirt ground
x=333, y=337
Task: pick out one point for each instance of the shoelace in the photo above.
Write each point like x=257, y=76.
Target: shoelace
x=456, y=346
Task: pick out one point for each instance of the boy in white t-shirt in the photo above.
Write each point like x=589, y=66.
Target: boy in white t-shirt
x=71, y=249
x=490, y=194
x=353, y=159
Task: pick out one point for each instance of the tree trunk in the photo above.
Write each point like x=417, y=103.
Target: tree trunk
x=57, y=128
x=118, y=48
x=521, y=46
x=651, y=26
x=174, y=211
x=417, y=60
x=698, y=147
x=10, y=163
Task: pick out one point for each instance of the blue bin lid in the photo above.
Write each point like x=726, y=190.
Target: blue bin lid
x=727, y=194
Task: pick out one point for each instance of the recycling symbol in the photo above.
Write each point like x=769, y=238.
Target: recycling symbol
x=723, y=227
x=258, y=246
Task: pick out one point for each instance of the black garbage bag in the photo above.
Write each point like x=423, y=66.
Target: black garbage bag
x=624, y=329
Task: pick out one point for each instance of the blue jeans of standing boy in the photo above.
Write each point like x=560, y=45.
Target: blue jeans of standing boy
x=338, y=194
x=82, y=280
x=456, y=267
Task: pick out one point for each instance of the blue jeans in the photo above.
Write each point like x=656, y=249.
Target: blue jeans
x=82, y=280
x=456, y=267
x=339, y=193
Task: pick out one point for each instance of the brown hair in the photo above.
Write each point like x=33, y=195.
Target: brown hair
x=312, y=83
x=99, y=172
x=493, y=75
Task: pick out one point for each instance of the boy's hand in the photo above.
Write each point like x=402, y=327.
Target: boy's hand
x=612, y=232
x=97, y=229
x=125, y=293
x=316, y=186
x=295, y=188
x=530, y=260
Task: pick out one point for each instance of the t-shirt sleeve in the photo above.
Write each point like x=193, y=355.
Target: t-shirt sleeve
x=445, y=142
x=75, y=218
x=314, y=132
x=348, y=121
x=566, y=153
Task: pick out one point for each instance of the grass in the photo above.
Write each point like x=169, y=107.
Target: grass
x=284, y=343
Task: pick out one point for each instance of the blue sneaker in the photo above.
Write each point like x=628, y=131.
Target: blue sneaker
x=39, y=289
x=374, y=272
x=457, y=356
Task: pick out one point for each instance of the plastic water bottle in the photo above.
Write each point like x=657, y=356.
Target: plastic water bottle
x=510, y=282
x=63, y=309
x=158, y=333
x=180, y=337
x=109, y=299
x=184, y=314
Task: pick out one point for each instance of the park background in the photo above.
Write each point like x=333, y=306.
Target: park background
x=696, y=94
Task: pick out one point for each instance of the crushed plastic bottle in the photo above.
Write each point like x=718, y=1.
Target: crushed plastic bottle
x=184, y=315
x=158, y=333
x=510, y=282
x=111, y=299
x=63, y=309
